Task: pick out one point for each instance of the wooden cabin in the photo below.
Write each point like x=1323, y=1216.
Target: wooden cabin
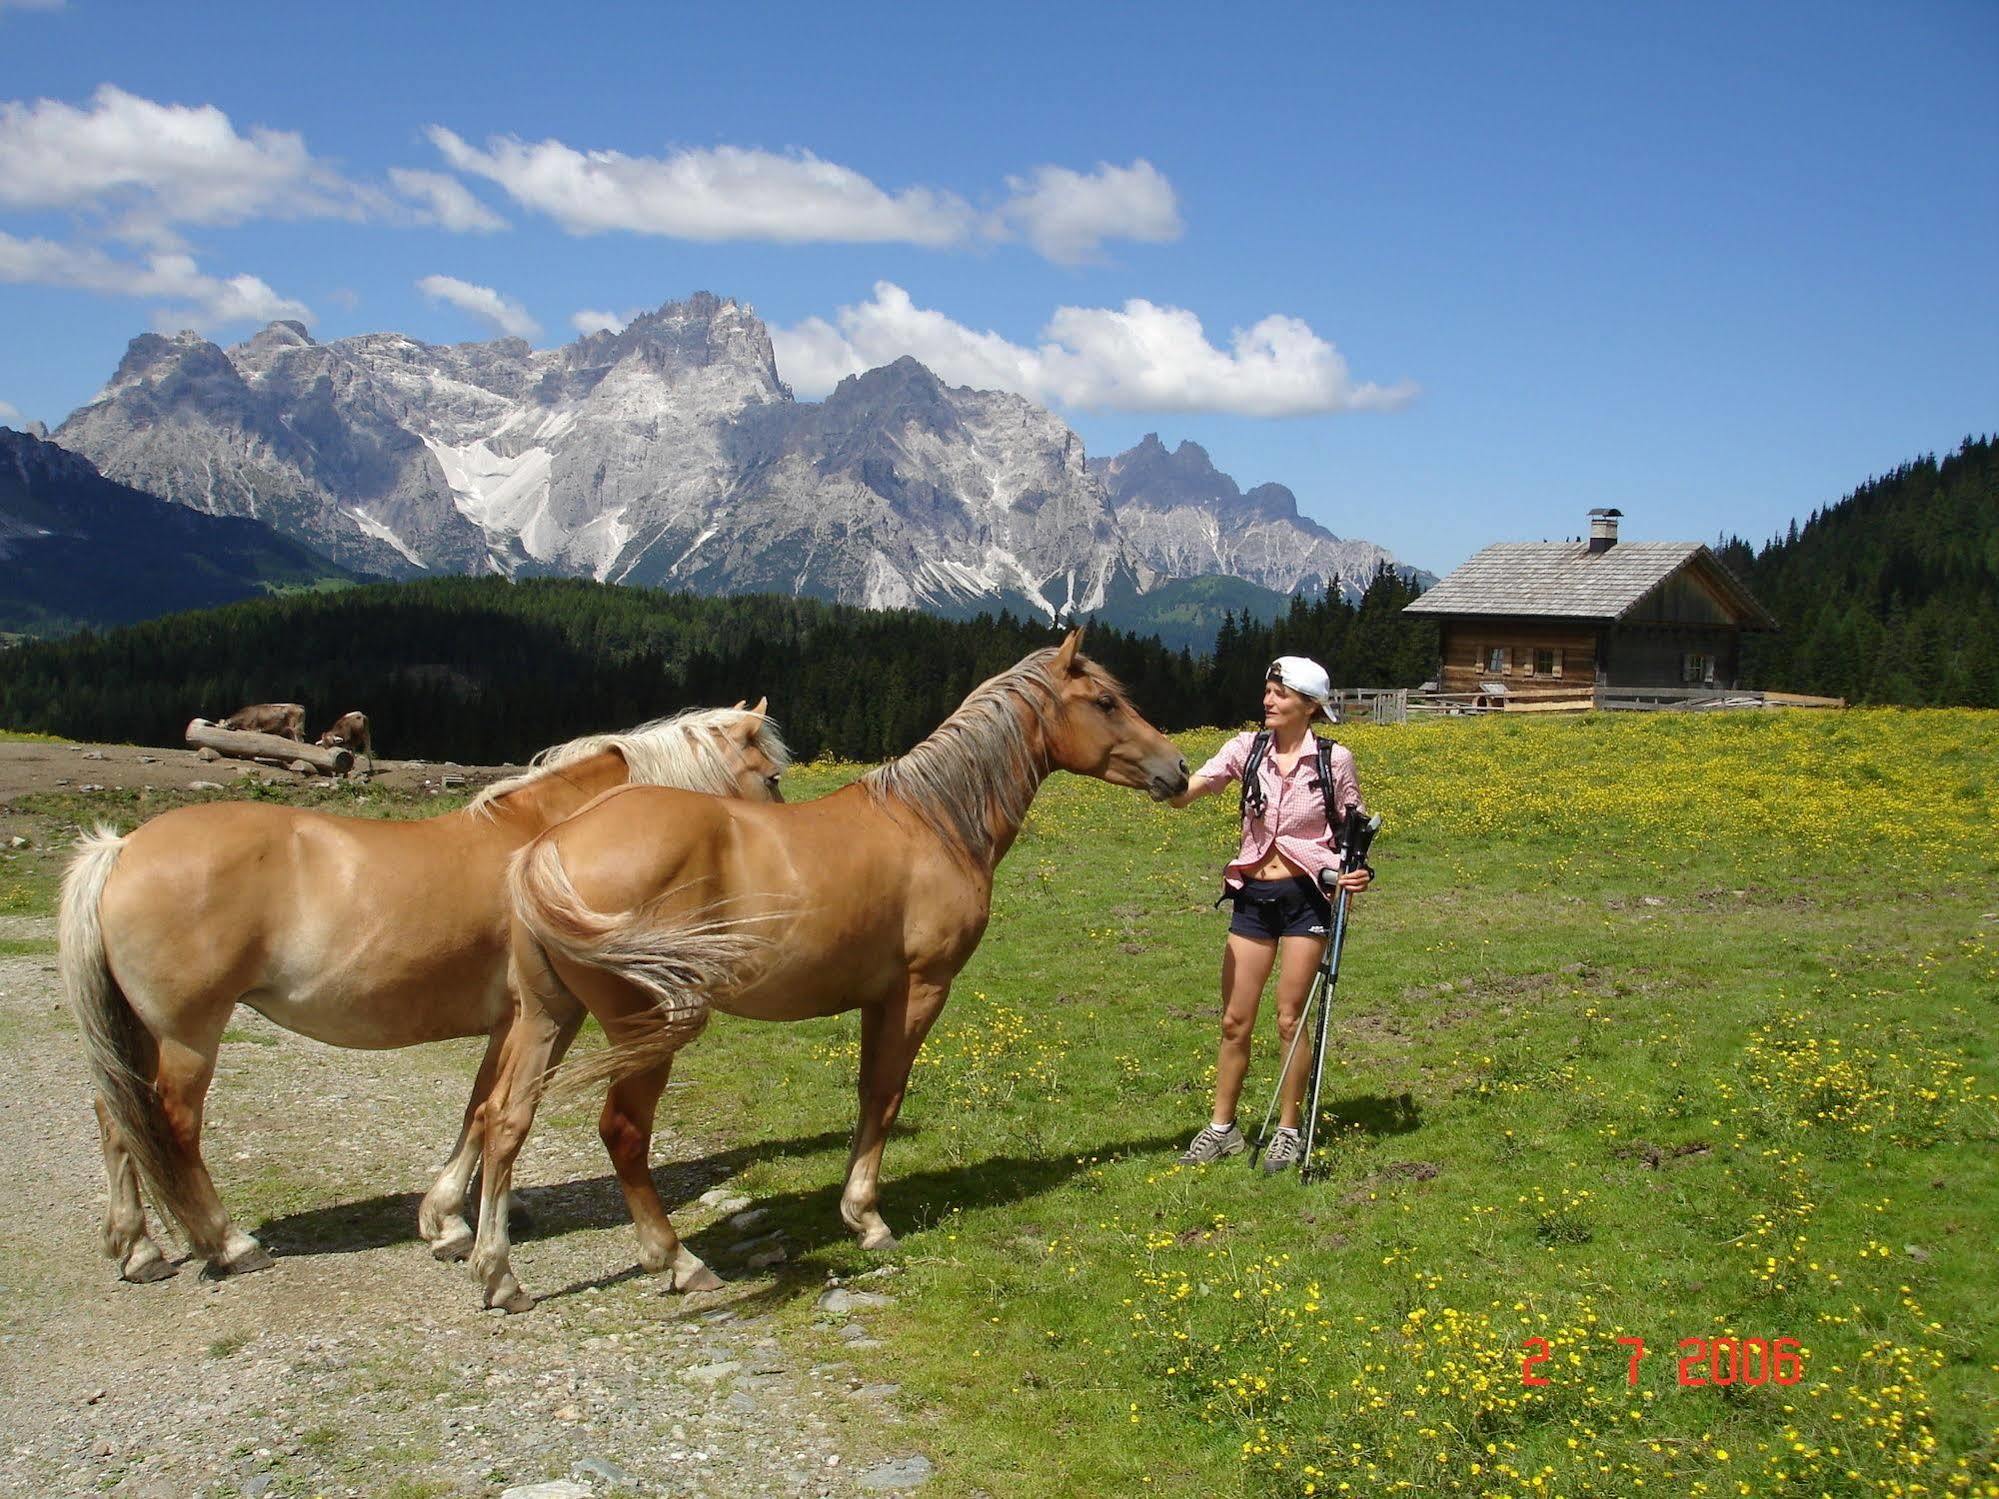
x=1562, y=619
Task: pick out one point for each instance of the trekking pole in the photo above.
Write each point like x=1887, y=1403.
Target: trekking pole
x=1316, y=996
x=1359, y=835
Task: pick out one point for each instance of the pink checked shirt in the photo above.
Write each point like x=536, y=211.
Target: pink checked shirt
x=1294, y=808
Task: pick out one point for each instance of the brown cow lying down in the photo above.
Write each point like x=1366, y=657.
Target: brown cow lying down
x=286, y=720
x=350, y=731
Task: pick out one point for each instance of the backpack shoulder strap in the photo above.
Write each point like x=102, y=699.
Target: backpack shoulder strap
x=1252, y=774
x=1325, y=749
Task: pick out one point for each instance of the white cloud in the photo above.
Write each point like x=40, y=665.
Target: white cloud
x=446, y=201
x=596, y=320
x=1140, y=357
x=1067, y=215
x=205, y=302
x=161, y=164
x=716, y=193
x=10, y=414
x=503, y=314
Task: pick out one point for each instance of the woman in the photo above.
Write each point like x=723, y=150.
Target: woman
x=1274, y=881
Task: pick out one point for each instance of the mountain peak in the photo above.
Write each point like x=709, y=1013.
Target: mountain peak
x=907, y=379
x=283, y=334
x=149, y=351
x=1191, y=455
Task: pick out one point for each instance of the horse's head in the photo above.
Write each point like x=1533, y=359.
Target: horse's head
x=1094, y=730
x=750, y=745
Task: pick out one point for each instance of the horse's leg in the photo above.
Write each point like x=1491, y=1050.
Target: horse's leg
x=125, y=1236
x=520, y=1217
x=626, y=1128
x=891, y=1033
x=184, y=1075
x=542, y=1026
x=441, y=1218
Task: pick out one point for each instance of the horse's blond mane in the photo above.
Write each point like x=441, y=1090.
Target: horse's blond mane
x=682, y=749
x=980, y=760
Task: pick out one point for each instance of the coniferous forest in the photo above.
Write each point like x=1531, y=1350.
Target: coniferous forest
x=482, y=670
x=1890, y=596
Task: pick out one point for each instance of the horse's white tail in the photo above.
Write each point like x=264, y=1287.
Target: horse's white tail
x=119, y=1048
x=676, y=961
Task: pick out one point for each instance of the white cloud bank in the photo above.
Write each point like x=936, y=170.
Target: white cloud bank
x=1067, y=215
x=716, y=193
x=206, y=302
x=445, y=202
x=162, y=164
x=10, y=415
x=736, y=192
x=503, y=314
x=1141, y=357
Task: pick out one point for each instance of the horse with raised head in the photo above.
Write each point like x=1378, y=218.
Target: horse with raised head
x=651, y=906
x=355, y=931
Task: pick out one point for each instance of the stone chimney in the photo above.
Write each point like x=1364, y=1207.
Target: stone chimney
x=1603, y=529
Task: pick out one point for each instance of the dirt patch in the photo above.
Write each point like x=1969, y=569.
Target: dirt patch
x=1418, y=1171
x=26, y=768
x=358, y=1365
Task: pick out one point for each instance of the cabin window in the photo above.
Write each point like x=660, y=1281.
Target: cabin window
x=1547, y=663
x=1698, y=667
x=1496, y=660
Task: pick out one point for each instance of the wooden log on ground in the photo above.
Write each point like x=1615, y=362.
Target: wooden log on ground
x=268, y=749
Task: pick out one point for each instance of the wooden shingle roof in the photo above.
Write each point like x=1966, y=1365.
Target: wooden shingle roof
x=1566, y=580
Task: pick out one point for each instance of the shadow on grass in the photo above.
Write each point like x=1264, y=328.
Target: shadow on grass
x=1370, y=1114
x=810, y=1219
x=912, y=1204
x=596, y=1202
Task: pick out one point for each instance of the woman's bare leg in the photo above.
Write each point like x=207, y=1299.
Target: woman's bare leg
x=1246, y=965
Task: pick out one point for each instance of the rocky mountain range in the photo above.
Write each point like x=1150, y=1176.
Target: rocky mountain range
x=671, y=453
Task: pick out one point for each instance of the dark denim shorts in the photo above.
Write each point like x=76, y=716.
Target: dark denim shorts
x=1280, y=908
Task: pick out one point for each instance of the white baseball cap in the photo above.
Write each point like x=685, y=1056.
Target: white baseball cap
x=1303, y=676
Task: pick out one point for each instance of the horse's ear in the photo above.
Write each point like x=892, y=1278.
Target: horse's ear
x=740, y=703
x=762, y=703
x=1065, y=658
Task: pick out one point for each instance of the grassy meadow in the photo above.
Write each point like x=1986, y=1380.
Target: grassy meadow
x=1655, y=1026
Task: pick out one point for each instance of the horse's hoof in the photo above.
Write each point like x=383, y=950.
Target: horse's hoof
x=456, y=1245
x=144, y=1271
x=700, y=1278
x=879, y=1239
x=513, y=1302
x=245, y=1262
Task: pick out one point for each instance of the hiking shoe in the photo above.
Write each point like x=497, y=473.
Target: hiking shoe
x=1211, y=1144
x=1285, y=1148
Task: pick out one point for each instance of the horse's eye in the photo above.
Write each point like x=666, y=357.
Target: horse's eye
x=1107, y=703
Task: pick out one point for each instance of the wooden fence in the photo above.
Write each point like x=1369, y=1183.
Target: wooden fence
x=1400, y=704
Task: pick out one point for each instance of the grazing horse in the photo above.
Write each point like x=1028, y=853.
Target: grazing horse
x=286, y=720
x=650, y=906
x=350, y=731
x=355, y=931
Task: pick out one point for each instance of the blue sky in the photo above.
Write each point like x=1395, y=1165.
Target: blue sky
x=1453, y=273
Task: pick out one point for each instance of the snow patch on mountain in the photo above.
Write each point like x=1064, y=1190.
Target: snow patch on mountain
x=372, y=527
x=502, y=492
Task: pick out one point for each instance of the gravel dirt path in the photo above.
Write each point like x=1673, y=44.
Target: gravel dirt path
x=359, y=1365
